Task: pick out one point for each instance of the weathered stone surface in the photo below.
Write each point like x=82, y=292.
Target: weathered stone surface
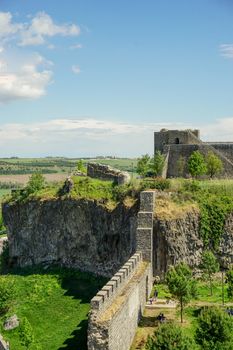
x=76, y=233
x=226, y=244
x=179, y=240
x=105, y=172
x=11, y=323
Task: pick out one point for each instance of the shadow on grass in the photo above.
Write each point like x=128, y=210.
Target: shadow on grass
x=76, y=284
x=78, y=339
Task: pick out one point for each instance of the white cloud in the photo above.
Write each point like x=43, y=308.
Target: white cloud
x=7, y=28
x=28, y=82
x=42, y=26
x=226, y=50
x=76, y=69
x=90, y=137
x=36, y=31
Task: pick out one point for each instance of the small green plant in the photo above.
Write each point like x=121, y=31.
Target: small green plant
x=157, y=164
x=158, y=183
x=170, y=337
x=209, y=266
x=80, y=166
x=7, y=294
x=26, y=333
x=36, y=183
x=181, y=285
x=214, y=330
x=196, y=164
x=143, y=165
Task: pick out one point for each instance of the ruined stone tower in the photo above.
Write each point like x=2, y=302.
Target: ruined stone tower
x=177, y=144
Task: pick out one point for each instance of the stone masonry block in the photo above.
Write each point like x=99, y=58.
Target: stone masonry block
x=113, y=284
x=96, y=302
x=121, y=275
x=145, y=219
x=117, y=279
x=108, y=289
x=147, y=199
x=103, y=294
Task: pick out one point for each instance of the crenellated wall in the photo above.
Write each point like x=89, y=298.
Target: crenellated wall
x=118, y=306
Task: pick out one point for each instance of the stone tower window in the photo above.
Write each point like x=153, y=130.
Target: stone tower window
x=177, y=140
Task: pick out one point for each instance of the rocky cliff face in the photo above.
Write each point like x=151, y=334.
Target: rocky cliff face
x=178, y=240
x=75, y=233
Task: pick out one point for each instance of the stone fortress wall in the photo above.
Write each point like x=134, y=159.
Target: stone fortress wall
x=181, y=143
x=105, y=172
x=117, y=308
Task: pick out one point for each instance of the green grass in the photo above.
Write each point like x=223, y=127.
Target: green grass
x=4, y=192
x=56, y=304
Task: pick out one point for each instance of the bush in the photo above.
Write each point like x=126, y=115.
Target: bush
x=214, y=330
x=7, y=294
x=191, y=186
x=169, y=337
x=158, y=183
x=229, y=279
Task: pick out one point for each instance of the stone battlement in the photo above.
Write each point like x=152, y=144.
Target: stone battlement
x=113, y=288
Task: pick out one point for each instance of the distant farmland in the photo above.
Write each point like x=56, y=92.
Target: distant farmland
x=23, y=179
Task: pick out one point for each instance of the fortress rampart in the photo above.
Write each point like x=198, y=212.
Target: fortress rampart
x=118, y=306
x=177, y=144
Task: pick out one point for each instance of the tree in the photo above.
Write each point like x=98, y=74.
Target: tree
x=143, y=165
x=196, y=164
x=80, y=166
x=229, y=280
x=157, y=164
x=7, y=294
x=26, y=333
x=36, y=183
x=209, y=265
x=214, y=330
x=169, y=337
x=181, y=285
x=214, y=164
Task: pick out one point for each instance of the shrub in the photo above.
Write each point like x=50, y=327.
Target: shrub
x=214, y=330
x=196, y=164
x=169, y=337
x=7, y=294
x=158, y=183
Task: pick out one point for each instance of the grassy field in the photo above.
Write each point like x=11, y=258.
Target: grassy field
x=20, y=166
x=56, y=304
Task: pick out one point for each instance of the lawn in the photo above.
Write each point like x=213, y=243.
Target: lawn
x=56, y=303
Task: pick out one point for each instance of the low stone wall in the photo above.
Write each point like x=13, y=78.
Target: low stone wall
x=105, y=172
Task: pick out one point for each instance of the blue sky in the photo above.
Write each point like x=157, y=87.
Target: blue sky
x=86, y=77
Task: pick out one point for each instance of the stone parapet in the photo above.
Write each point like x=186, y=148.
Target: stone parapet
x=105, y=296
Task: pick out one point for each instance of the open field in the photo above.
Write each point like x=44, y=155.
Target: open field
x=16, y=166
x=56, y=304
x=23, y=179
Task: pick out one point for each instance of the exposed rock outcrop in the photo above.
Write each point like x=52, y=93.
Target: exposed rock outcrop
x=76, y=233
x=178, y=239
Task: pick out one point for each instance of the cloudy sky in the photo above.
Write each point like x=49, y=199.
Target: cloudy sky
x=86, y=77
